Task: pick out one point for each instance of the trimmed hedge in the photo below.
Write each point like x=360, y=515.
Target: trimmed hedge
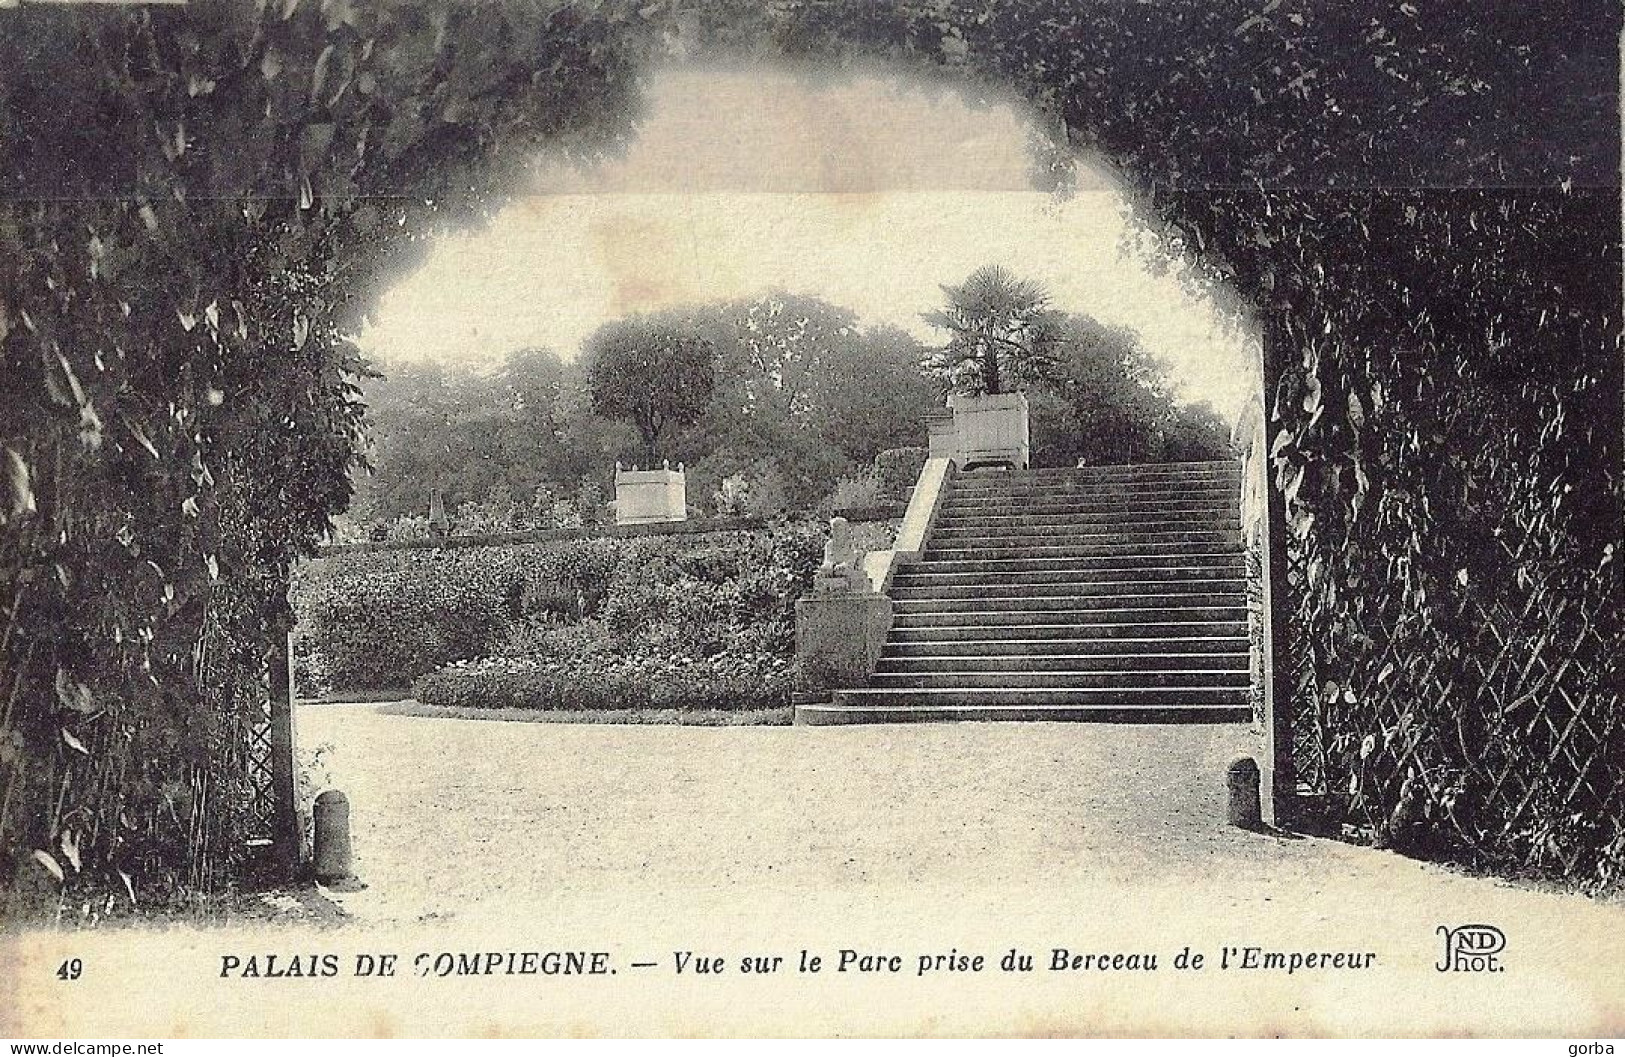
x=726, y=682
x=382, y=619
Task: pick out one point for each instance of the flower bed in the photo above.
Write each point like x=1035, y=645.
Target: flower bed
x=607, y=681
x=695, y=618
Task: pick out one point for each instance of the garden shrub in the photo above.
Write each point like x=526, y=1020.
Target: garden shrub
x=726, y=682
x=897, y=469
x=863, y=490
x=380, y=620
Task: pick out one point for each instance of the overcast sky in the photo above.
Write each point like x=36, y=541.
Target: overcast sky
x=869, y=193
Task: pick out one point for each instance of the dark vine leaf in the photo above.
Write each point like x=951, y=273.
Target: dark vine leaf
x=69, y=845
x=141, y=438
x=52, y=867
x=73, y=695
x=21, y=483
x=319, y=77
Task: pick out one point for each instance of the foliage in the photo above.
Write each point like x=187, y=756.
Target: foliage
x=897, y=469
x=1106, y=400
x=1001, y=331
x=379, y=620
x=652, y=373
x=678, y=625
x=200, y=200
x=861, y=491
x=524, y=427
x=605, y=682
x=782, y=716
x=196, y=204
x=390, y=620
x=1436, y=502
x=804, y=389
x=802, y=395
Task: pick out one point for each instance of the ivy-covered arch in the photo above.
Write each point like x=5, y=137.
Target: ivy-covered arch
x=1421, y=209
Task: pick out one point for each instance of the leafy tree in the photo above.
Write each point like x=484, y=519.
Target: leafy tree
x=1107, y=400
x=876, y=397
x=652, y=373
x=1001, y=332
x=466, y=431
x=1421, y=210
x=803, y=390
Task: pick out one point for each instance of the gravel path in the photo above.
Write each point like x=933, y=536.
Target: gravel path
x=643, y=842
x=913, y=839
x=451, y=814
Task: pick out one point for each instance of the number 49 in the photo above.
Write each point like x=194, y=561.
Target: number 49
x=71, y=969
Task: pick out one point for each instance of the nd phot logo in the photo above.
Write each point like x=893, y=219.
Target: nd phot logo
x=1472, y=949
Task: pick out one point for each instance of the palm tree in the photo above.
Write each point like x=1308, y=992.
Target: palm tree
x=1001, y=329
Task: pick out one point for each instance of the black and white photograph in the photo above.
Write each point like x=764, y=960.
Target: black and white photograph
x=811, y=518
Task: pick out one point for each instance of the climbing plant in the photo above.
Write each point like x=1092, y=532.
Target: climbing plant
x=197, y=205
x=1419, y=209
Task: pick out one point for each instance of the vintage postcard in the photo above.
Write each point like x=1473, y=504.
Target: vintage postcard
x=709, y=518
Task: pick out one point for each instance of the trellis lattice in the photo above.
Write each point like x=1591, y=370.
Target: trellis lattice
x=260, y=819
x=1493, y=733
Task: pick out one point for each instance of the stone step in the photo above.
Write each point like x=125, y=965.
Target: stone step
x=1172, y=631
x=1145, y=509
x=1112, y=467
x=1097, y=706
x=1098, y=566
x=1223, y=516
x=1188, y=493
x=1183, y=495
x=1020, y=664
x=1103, y=474
x=1194, y=679
x=1080, y=534
x=1105, y=650
x=920, y=605
x=1089, y=582
x=1009, y=613
x=1127, y=548
x=1107, y=474
x=1105, y=695
x=1068, y=586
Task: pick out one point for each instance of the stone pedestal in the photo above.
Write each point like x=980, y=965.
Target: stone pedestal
x=991, y=429
x=439, y=524
x=942, y=434
x=1245, y=808
x=644, y=497
x=839, y=637
x=331, y=843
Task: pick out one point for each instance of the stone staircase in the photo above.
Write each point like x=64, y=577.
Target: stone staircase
x=1108, y=594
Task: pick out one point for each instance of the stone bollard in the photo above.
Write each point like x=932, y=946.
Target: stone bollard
x=331, y=822
x=1246, y=810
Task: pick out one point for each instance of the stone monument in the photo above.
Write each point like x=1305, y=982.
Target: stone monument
x=644, y=497
x=842, y=568
x=841, y=624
